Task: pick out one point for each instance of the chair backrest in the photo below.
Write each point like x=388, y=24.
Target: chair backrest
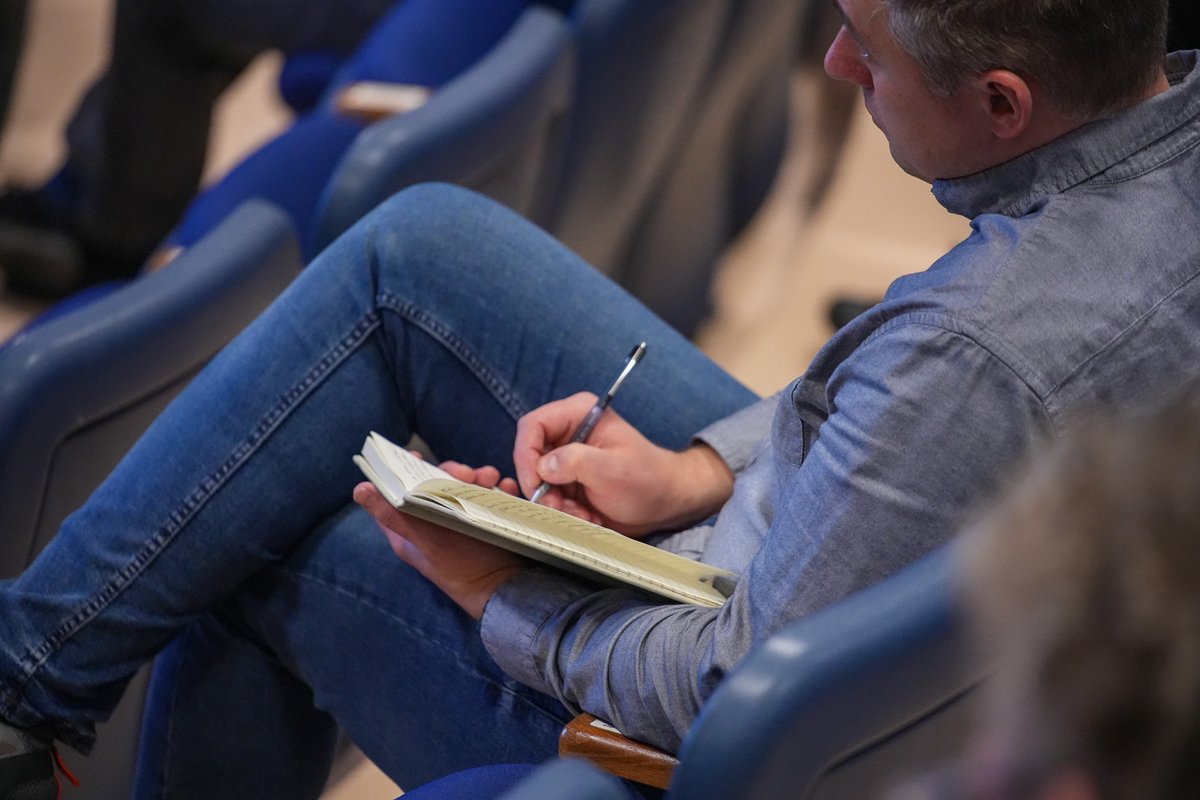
x=77, y=391
x=642, y=65
x=840, y=705
x=498, y=128
x=844, y=703
x=723, y=165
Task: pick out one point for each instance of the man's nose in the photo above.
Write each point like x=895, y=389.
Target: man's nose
x=844, y=60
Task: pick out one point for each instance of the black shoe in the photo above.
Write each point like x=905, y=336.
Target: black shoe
x=26, y=765
x=42, y=257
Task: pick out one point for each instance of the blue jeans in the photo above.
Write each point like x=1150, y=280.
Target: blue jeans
x=228, y=530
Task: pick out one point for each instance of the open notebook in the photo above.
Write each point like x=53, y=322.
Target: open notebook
x=423, y=490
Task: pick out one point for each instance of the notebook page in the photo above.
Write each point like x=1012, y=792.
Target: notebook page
x=408, y=468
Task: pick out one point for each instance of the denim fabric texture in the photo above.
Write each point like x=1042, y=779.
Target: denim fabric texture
x=441, y=314
x=444, y=315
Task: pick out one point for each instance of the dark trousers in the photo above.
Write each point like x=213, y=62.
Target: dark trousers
x=138, y=141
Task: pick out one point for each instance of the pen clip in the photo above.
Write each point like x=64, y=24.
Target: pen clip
x=635, y=355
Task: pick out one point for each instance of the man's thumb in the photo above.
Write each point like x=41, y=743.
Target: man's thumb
x=562, y=465
x=550, y=467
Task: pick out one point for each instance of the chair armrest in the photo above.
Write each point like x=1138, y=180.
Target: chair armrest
x=372, y=101
x=589, y=738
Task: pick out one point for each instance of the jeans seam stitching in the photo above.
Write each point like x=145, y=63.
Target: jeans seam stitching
x=454, y=343
x=117, y=583
x=299, y=576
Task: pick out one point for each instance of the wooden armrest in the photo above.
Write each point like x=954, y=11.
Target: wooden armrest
x=587, y=737
x=161, y=257
x=372, y=101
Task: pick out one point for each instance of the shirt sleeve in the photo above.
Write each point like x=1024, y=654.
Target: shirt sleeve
x=736, y=437
x=922, y=422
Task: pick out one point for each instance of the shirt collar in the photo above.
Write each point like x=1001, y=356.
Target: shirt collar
x=1135, y=137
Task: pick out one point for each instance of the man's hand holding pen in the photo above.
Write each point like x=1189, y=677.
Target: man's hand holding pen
x=576, y=455
x=617, y=478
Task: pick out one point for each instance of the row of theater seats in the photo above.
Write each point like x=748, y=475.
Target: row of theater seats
x=643, y=133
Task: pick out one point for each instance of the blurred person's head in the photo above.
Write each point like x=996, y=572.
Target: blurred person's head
x=959, y=86
x=1084, y=586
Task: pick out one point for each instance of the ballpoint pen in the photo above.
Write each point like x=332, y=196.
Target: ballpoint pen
x=593, y=416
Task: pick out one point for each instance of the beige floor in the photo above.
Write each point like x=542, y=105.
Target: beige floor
x=874, y=224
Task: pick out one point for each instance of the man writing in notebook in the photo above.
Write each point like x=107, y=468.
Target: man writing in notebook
x=1071, y=145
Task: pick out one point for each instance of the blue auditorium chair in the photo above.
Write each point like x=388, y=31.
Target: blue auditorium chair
x=77, y=391
x=569, y=778
x=677, y=130
x=497, y=128
x=492, y=122
x=845, y=704
x=841, y=704
x=562, y=779
x=424, y=43
x=642, y=67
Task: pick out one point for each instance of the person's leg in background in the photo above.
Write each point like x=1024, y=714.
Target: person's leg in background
x=442, y=314
x=138, y=140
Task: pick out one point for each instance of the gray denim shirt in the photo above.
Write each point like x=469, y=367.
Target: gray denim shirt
x=1076, y=288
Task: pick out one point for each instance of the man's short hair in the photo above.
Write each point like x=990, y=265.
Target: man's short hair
x=1092, y=57
x=1085, y=583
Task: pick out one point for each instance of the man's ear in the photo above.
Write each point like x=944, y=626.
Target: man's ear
x=1008, y=102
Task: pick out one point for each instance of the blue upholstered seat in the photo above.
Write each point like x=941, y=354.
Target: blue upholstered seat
x=676, y=127
x=76, y=391
x=431, y=43
x=496, y=128
x=842, y=704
